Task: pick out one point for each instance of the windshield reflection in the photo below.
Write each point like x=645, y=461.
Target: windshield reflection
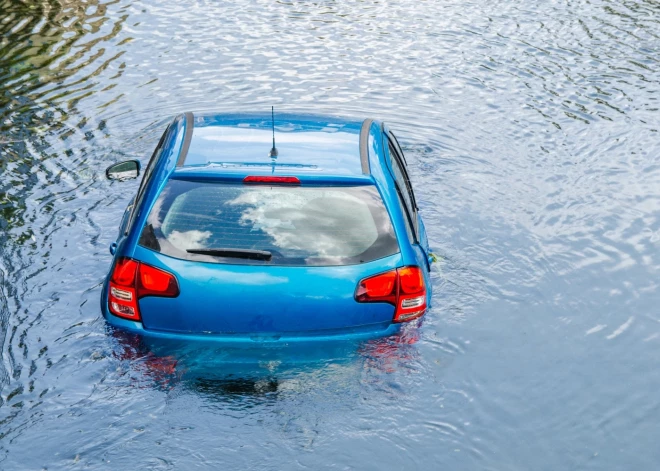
x=300, y=226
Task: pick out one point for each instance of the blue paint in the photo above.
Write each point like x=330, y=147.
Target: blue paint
x=225, y=299
x=531, y=132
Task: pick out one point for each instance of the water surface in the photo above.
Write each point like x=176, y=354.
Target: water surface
x=531, y=129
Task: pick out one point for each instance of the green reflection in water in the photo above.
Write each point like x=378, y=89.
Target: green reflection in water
x=50, y=53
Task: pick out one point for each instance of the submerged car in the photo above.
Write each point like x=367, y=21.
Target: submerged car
x=261, y=227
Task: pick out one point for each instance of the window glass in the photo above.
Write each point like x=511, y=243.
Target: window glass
x=154, y=158
x=406, y=218
x=166, y=137
x=294, y=225
x=145, y=177
x=398, y=147
x=403, y=184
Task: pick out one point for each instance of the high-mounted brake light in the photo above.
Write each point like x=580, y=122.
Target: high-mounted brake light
x=403, y=288
x=131, y=281
x=273, y=180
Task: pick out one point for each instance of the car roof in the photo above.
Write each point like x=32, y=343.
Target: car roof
x=306, y=144
x=362, y=157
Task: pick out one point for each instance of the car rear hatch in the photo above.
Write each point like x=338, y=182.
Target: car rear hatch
x=266, y=258
x=222, y=298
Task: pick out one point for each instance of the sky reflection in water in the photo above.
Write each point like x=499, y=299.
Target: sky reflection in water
x=532, y=135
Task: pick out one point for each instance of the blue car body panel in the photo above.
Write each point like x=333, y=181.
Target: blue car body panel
x=306, y=298
x=236, y=303
x=349, y=334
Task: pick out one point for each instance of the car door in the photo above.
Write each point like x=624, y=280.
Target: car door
x=421, y=229
x=415, y=226
x=130, y=212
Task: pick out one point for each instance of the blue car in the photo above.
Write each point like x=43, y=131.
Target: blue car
x=253, y=227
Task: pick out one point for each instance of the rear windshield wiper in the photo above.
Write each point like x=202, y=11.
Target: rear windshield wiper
x=234, y=253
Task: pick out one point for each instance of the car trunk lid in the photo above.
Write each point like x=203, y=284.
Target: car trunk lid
x=223, y=298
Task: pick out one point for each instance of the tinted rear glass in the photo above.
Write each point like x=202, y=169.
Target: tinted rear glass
x=294, y=225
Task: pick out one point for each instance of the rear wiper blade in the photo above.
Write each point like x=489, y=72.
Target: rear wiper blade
x=234, y=253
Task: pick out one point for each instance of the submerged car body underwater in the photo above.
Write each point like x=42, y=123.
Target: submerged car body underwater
x=318, y=239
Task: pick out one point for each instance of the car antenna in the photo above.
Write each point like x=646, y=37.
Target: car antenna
x=273, y=151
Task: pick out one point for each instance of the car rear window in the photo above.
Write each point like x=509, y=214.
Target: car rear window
x=283, y=225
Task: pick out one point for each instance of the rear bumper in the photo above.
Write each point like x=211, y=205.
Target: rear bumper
x=367, y=332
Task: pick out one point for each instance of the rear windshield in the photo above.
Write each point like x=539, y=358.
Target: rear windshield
x=269, y=225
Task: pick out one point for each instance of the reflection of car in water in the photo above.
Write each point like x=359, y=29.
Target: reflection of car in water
x=222, y=372
x=318, y=239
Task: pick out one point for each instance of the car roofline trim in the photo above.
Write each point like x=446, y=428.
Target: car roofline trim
x=364, y=145
x=190, y=124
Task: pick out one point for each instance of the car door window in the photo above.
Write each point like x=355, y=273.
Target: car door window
x=154, y=158
x=403, y=186
x=147, y=174
x=397, y=147
x=406, y=217
x=398, y=154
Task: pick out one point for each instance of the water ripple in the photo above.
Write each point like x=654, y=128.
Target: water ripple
x=532, y=136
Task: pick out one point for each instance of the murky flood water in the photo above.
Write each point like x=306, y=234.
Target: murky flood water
x=532, y=130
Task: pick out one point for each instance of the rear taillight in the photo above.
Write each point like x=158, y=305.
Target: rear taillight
x=156, y=282
x=132, y=280
x=403, y=288
x=122, y=296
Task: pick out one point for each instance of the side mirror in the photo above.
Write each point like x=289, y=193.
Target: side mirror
x=123, y=170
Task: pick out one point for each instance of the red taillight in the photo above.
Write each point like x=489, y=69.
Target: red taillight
x=124, y=272
x=379, y=288
x=269, y=179
x=155, y=282
x=122, y=298
x=412, y=294
x=133, y=280
x=404, y=288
